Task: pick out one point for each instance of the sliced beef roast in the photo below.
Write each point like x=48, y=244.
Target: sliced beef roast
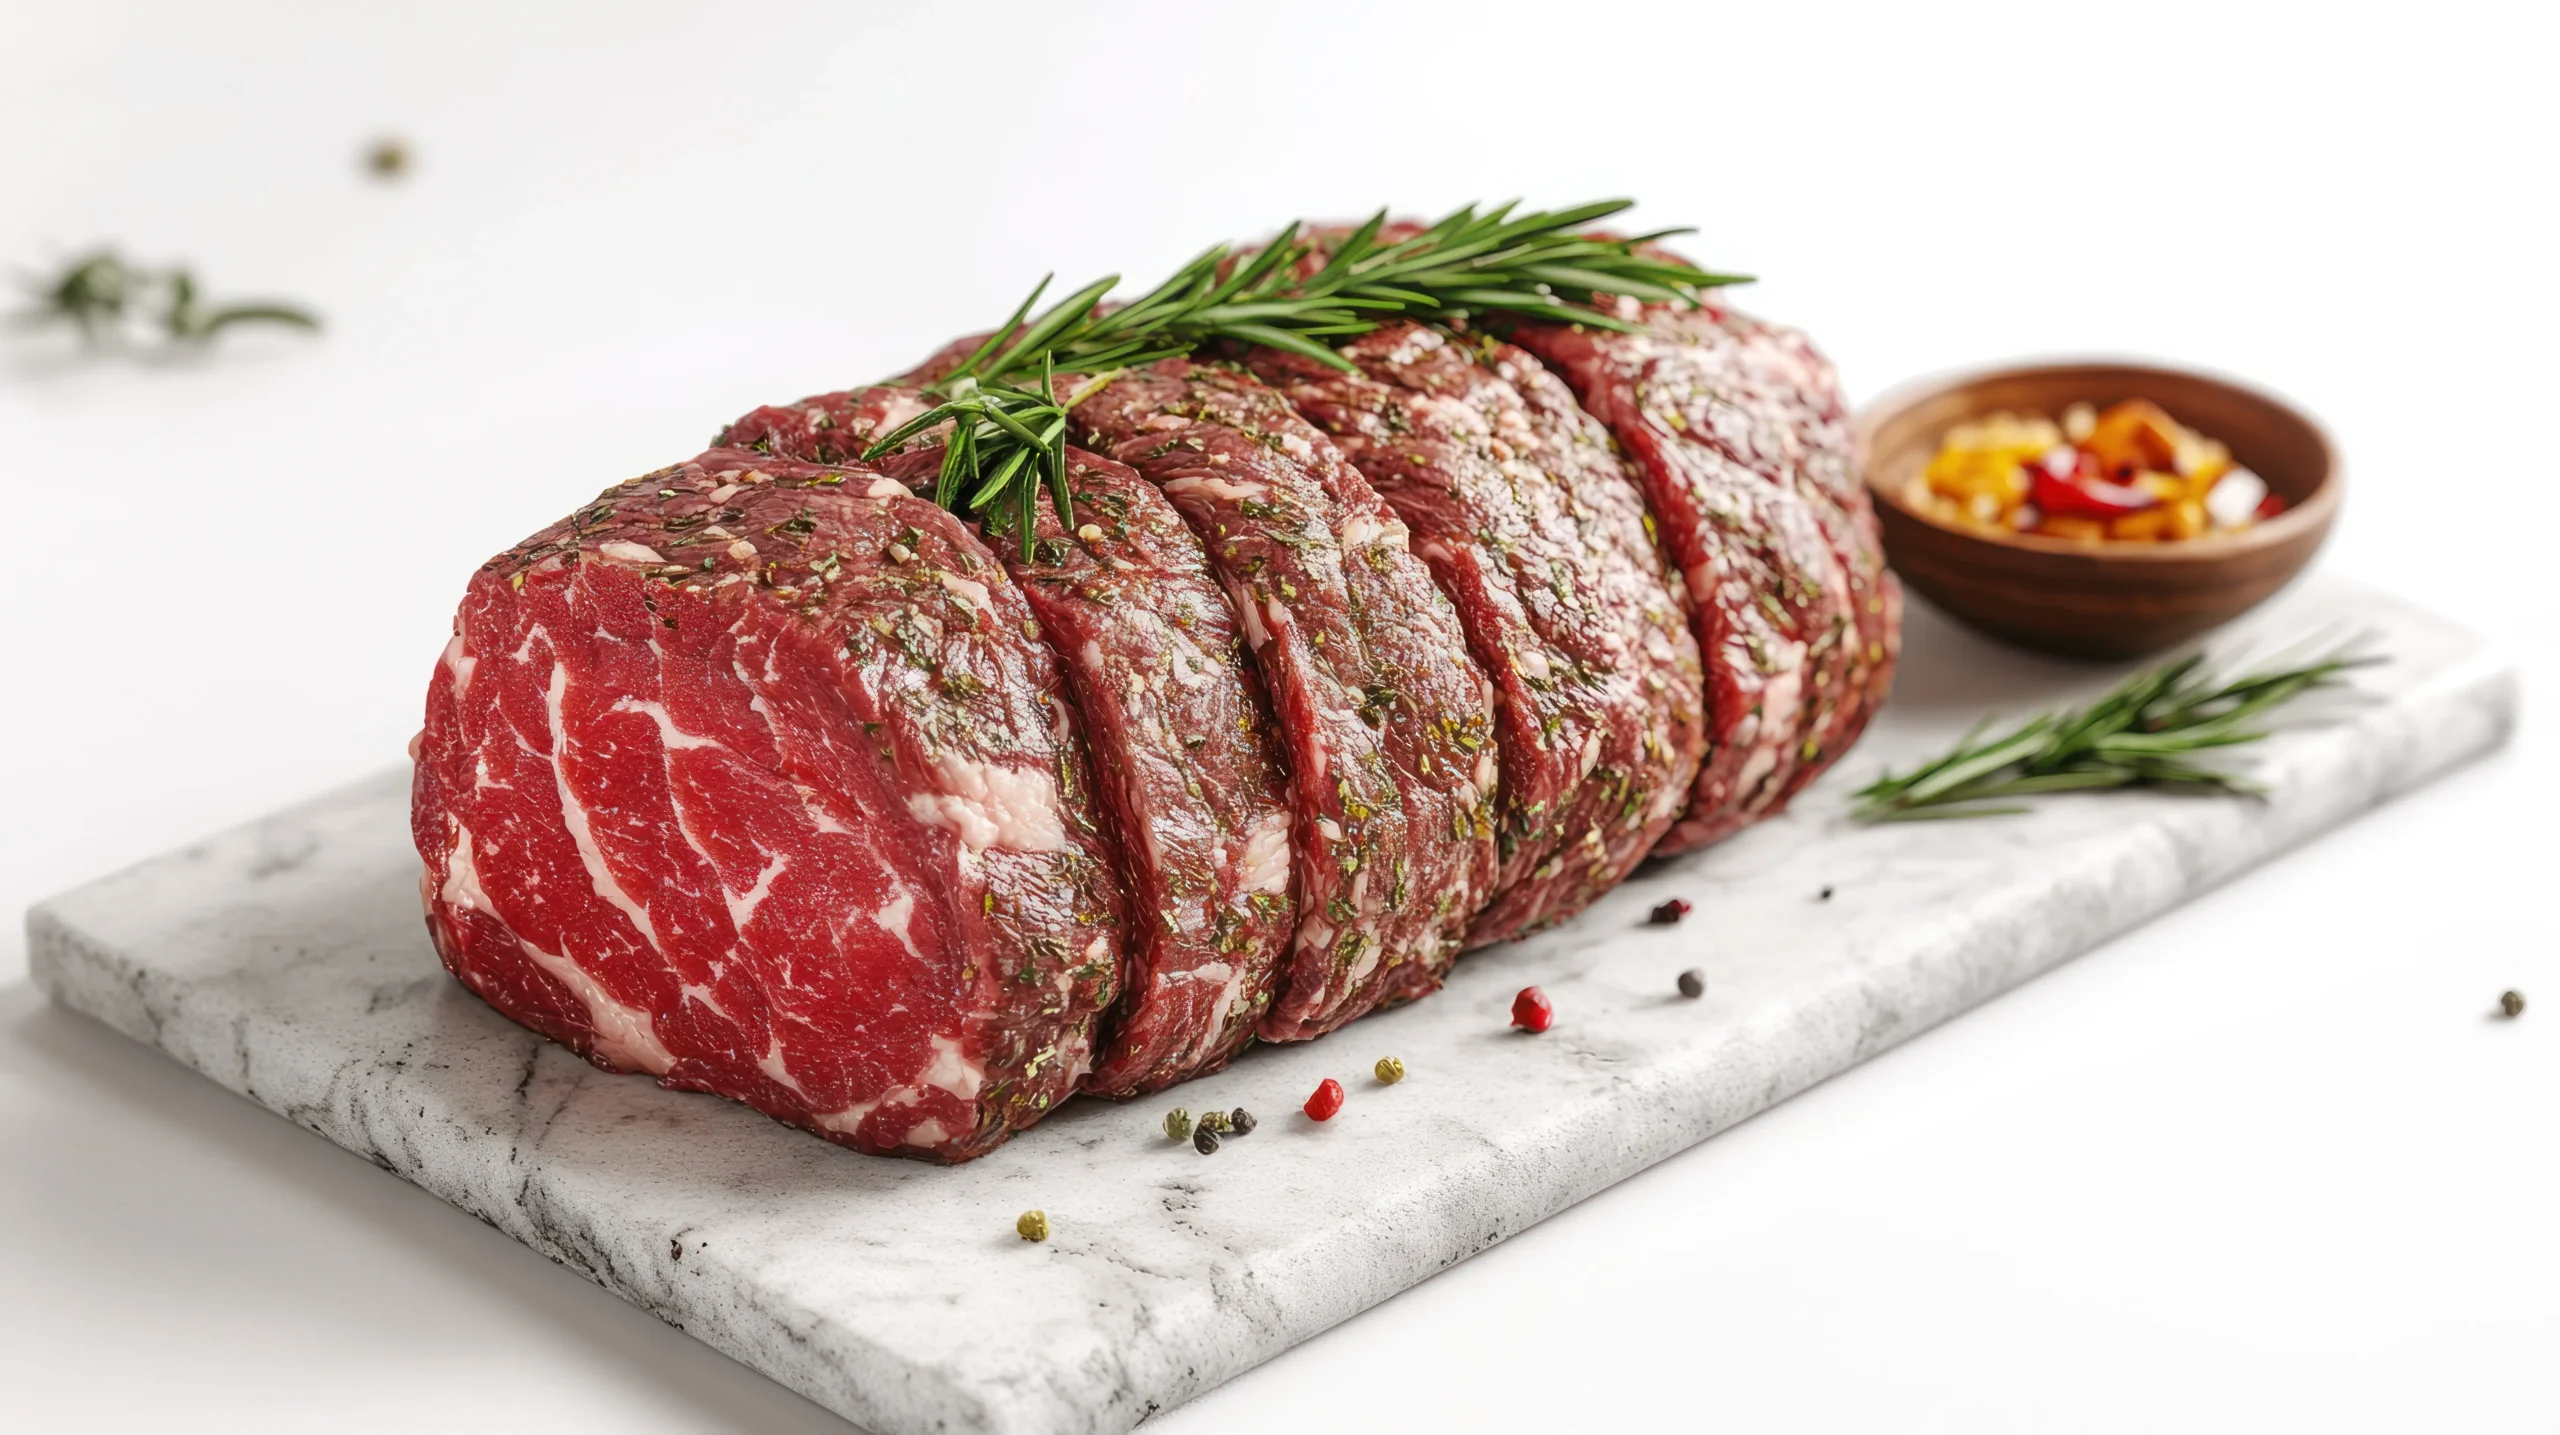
x=768, y=777
x=1735, y=434
x=756, y=777
x=1386, y=721
x=1767, y=397
x=1183, y=744
x=1535, y=532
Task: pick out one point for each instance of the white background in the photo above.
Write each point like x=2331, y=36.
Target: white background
x=2266, y=1164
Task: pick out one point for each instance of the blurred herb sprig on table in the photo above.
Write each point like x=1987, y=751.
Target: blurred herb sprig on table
x=108, y=299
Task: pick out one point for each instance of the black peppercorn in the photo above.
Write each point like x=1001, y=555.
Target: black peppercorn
x=2512, y=1003
x=1206, y=1141
x=1241, y=1120
x=1693, y=984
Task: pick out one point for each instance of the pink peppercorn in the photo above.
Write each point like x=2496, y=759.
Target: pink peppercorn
x=1531, y=1011
x=1326, y=1101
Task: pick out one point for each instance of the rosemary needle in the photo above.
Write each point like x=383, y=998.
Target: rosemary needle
x=1008, y=436
x=2141, y=734
x=99, y=293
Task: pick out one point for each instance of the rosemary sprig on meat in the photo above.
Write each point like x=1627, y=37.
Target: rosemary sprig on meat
x=1008, y=435
x=100, y=294
x=2145, y=733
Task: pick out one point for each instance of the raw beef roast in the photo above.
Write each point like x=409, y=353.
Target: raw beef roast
x=769, y=777
x=755, y=776
x=829, y=428
x=1735, y=430
x=1766, y=395
x=1386, y=721
x=1184, y=748
x=1535, y=532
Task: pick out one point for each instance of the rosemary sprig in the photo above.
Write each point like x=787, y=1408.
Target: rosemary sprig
x=2142, y=734
x=1009, y=424
x=99, y=293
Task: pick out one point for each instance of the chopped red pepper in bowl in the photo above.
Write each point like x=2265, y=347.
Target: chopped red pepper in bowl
x=2129, y=474
x=2048, y=505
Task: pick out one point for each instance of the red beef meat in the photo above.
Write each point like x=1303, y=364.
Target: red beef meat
x=1777, y=547
x=829, y=428
x=755, y=776
x=1769, y=399
x=1535, y=532
x=1183, y=744
x=1386, y=720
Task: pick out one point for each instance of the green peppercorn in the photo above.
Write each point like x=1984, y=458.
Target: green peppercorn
x=1177, y=1124
x=1205, y=1140
x=2512, y=1003
x=1241, y=1120
x=1693, y=984
x=387, y=157
x=1032, y=1225
x=1389, y=1070
x=1214, y=1121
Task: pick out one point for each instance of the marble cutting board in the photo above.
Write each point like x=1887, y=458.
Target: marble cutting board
x=286, y=961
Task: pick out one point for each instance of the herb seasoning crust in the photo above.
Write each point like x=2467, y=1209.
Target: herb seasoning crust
x=755, y=776
x=1386, y=720
x=1765, y=395
x=1533, y=529
x=1771, y=591
x=1184, y=748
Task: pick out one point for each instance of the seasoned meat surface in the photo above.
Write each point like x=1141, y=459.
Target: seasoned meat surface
x=1535, y=532
x=1737, y=433
x=1184, y=747
x=1386, y=721
x=754, y=776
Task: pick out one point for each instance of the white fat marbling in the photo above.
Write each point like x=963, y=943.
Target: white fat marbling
x=286, y=961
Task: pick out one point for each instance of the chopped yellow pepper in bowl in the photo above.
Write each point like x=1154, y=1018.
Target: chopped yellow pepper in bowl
x=2129, y=474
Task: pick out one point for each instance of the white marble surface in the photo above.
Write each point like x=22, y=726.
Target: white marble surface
x=285, y=961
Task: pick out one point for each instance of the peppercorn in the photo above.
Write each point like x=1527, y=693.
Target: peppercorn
x=1390, y=1071
x=1825, y=896
x=1241, y=1120
x=1204, y=1140
x=1032, y=1225
x=1214, y=1121
x=387, y=157
x=1669, y=913
x=1531, y=1011
x=1326, y=1100
x=2512, y=1003
x=1177, y=1124
x=1693, y=984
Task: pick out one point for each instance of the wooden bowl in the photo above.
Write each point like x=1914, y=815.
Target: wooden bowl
x=2108, y=600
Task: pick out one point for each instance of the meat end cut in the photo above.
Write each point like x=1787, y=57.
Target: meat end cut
x=1386, y=721
x=829, y=428
x=1184, y=749
x=1535, y=532
x=1765, y=395
x=1749, y=474
x=755, y=776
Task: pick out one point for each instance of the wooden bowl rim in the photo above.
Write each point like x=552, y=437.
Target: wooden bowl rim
x=2305, y=518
